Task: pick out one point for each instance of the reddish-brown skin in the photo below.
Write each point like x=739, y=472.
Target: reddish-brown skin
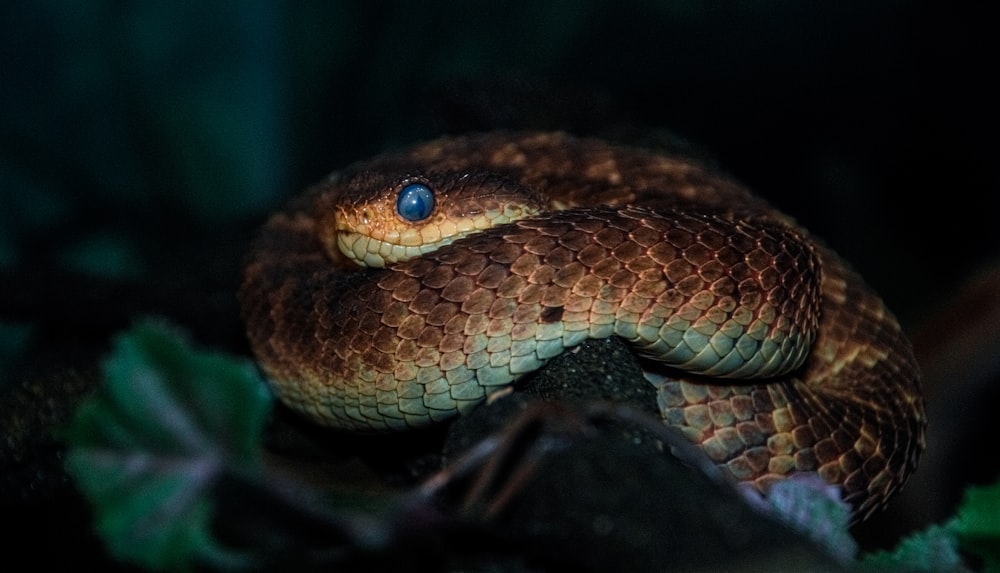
x=641, y=243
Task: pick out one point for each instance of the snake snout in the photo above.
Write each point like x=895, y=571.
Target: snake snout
x=418, y=214
x=549, y=240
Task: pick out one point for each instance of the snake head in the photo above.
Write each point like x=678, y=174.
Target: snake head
x=376, y=220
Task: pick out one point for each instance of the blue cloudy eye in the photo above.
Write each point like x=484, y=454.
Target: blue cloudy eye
x=415, y=202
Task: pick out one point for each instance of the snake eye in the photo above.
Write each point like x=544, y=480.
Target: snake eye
x=415, y=202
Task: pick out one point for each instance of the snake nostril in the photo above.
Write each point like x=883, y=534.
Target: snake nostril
x=415, y=202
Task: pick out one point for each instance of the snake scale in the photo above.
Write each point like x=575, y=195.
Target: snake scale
x=403, y=290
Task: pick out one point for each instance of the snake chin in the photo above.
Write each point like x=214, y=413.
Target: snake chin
x=479, y=283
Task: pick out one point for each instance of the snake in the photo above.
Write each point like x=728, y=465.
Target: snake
x=406, y=289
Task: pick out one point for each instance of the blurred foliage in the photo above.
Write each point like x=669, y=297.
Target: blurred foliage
x=814, y=508
x=145, y=117
x=974, y=532
x=149, y=448
x=934, y=549
x=978, y=524
x=142, y=103
x=141, y=144
x=175, y=430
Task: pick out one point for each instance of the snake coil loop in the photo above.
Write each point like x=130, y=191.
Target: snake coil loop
x=501, y=250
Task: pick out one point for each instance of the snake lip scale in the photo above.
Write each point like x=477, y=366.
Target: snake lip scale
x=404, y=290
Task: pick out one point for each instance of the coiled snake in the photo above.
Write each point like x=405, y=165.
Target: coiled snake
x=489, y=254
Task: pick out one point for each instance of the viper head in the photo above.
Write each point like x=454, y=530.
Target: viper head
x=377, y=221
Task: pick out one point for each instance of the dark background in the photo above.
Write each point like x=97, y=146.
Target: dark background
x=142, y=143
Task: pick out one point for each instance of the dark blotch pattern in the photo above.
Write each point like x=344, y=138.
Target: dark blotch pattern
x=777, y=358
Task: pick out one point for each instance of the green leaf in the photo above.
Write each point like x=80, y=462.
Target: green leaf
x=148, y=447
x=934, y=550
x=975, y=530
x=814, y=508
x=978, y=524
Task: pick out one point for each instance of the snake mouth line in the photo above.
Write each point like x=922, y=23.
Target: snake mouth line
x=381, y=243
x=370, y=252
x=676, y=259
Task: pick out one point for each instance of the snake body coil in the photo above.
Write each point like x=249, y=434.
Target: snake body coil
x=501, y=250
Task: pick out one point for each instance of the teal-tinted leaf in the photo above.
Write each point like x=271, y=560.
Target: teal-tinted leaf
x=978, y=524
x=814, y=508
x=934, y=550
x=148, y=447
x=975, y=529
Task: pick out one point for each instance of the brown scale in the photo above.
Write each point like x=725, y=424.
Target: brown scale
x=678, y=259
